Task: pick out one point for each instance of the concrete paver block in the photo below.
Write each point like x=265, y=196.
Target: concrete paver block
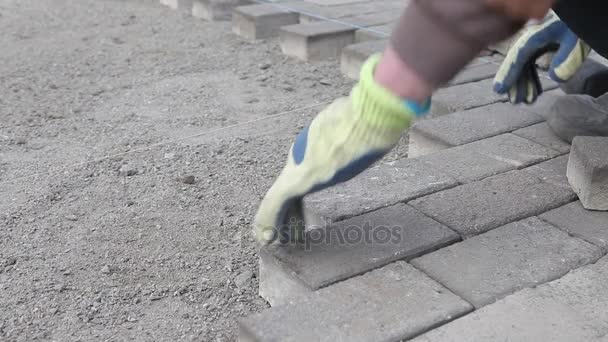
x=215, y=10
x=552, y=171
x=185, y=5
x=478, y=207
x=572, y=308
x=261, y=21
x=522, y=254
x=478, y=70
x=389, y=304
x=542, y=134
x=380, y=186
x=591, y=226
x=353, y=56
x=373, y=19
x=318, y=40
x=588, y=171
x=472, y=95
x=488, y=157
x=513, y=150
x=464, y=127
x=349, y=248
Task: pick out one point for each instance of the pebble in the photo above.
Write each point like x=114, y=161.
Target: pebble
x=53, y=311
x=71, y=217
x=188, y=179
x=325, y=82
x=59, y=287
x=243, y=279
x=265, y=66
x=10, y=261
x=105, y=269
x=252, y=100
x=21, y=141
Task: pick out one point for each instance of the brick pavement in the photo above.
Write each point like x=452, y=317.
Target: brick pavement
x=477, y=236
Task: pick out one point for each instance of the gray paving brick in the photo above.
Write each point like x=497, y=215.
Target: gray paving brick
x=552, y=171
x=591, y=226
x=514, y=150
x=261, y=21
x=349, y=248
x=488, y=157
x=478, y=207
x=215, y=10
x=522, y=254
x=479, y=69
x=543, y=105
x=572, y=308
x=380, y=186
x=588, y=171
x=464, y=127
x=353, y=56
x=542, y=134
x=471, y=95
x=311, y=12
x=392, y=303
x=316, y=40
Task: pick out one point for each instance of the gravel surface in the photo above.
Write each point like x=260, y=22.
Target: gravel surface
x=131, y=165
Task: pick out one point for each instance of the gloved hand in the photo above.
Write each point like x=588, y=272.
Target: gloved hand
x=517, y=75
x=342, y=141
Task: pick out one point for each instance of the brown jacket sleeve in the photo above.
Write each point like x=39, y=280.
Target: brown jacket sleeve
x=438, y=38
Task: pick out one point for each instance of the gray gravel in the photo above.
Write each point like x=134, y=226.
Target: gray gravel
x=151, y=243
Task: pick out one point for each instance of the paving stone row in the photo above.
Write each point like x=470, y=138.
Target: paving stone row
x=572, y=308
x=389, y=304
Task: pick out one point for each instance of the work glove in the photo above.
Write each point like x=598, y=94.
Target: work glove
x=343, y=140
x=517, y=75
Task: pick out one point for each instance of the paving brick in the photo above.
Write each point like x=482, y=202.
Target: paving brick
x=380, y=186
x=374, y=33
x=471, y=95
x=477, y=71
x=353, y=56
x=185, y=5
x=552, y=171
x=261, y=21
x=215, y=10
x=522, y=254
x=478, y=207
x=488, y=157
x=543, y=105
x=392, y=303
x=542, y=134
x=464, y=127
x=588, y=171
x=591, y=226
x=318, y=40
x=334, y=2
x=572, y=308
x=349, y=248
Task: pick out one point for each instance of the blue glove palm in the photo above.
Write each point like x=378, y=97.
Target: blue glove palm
x=517, y=76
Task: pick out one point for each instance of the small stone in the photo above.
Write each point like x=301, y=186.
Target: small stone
x=265, y=66
x=243, y=279
x=186, y=316
x=59, y=287
x=106, y=269
x=10, y=261
x=325, y=82
x=20, y=141
x=188, y=179
x=71, y=217
x=125, y=170
x=55, y=116
x=53, y=311
x=252, y=100
x=288, y=88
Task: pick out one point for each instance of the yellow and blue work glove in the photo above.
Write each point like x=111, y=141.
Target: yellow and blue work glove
x=517, y=75
x=343, y=140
